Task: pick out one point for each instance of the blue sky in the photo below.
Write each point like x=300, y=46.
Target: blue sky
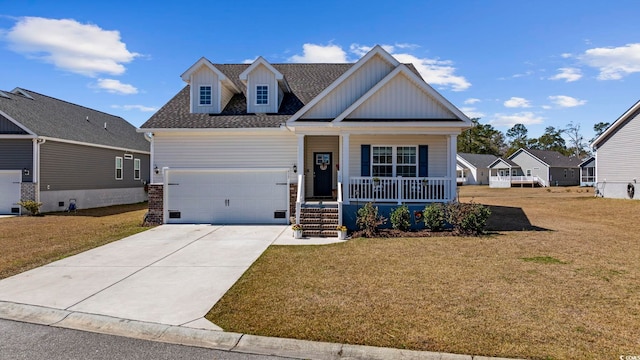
x=539, y=63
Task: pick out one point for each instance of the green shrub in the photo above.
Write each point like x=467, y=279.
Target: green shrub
x=434, y=216
x=401, y=218
x=468, y=219
x=369, y=220
x=31, y=206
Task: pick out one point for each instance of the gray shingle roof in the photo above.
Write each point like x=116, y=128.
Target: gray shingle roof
x=305, y=80
x=479, y=160
x=507, y=161
x=554, y=158
x=51, y=117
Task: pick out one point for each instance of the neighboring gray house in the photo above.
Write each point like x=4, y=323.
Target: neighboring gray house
x=473, y=168
x=537, y=168
x=56, y=152
x=588, y=172
x=618, y=157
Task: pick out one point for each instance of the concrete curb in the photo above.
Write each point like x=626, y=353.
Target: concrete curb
x=212, y=339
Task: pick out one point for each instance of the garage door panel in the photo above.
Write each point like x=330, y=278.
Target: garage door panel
x=9, y=191
x=227, y=197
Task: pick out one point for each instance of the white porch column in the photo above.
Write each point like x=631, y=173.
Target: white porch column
x=300, y=162
x=453, y=149
x=344, y=168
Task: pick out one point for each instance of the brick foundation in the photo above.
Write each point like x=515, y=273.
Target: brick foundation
x=156, y=206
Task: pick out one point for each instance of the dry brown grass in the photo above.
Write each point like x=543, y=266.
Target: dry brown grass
x=27, y=242
x=557, y=279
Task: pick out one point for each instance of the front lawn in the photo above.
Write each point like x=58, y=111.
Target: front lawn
x=27, y=242
x=558, y=278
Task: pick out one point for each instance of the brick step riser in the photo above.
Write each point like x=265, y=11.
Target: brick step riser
x=318, y=233
x=318, y=221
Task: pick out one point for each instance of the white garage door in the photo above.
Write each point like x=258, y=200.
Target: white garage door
x=10, y=191
x=227, y=197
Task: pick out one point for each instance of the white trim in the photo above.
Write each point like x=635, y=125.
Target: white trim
x=255, y=97
x=186, y=76
x=466, y=163
x=403, y=69
x=121, y=168
x=17, y=123
x=260, y=61
x=530, y=154
x=212, y=130
x=94, y=145
x=128, y=156
x=394, y=159
x=18, y=136
x=137, y=162
x=377, y=50
x=210, y=95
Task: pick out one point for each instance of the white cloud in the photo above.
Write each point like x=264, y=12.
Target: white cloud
x=472, y=112
x=566, y=55
x=470, y=101
x=613, y=62
x=116, y=87
x=313, y=53
x=249, y=61
x=517, y=102
x=80, y=48
x=566, y=101
x=568, y=74
x=524, y=118
x=435, y=72
x=135, y=107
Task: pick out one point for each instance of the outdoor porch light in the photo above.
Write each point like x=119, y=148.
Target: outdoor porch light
x=295, y=168
x=155, y=169
x=25, y=172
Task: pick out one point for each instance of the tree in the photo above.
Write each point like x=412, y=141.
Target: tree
x=577, y=146
x=518, y=138
x=481, y=139
x=599, y=128
x=552, y=140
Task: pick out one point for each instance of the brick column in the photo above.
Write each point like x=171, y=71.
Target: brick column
x=156, y=206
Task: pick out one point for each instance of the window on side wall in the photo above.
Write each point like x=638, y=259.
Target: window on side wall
x=565, y=172
x=118, y=168
x=528, y=172
x=391, y=161
x=136, y=169
x=205, y=95
x=262, y=95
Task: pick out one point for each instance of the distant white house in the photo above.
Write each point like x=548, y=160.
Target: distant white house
x=618, y=157
x=473, y=169
x=535, y=168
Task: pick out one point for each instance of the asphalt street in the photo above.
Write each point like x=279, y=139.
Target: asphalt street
x=23, y=341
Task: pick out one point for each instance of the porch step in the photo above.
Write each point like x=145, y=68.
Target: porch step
x=319, y=221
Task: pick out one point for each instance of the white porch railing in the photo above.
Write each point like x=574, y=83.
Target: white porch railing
x=461, y=179
x=299, y=197
x=507, y=181
x=400, y=190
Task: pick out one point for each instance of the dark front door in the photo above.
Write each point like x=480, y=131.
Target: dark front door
x=322, y=176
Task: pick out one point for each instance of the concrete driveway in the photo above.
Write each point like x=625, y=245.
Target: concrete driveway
x=172, y=274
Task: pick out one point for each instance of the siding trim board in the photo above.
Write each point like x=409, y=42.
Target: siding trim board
x=95, y=145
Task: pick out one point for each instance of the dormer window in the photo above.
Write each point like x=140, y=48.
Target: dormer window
x=205, y=95
x=262, y=95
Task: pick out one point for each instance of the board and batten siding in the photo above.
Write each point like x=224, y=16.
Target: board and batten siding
x=205, y=77
x=65, y=166
x=262, y=76
x=9, y=128
x=527, y=162
x=17, y=154
x=437, y=163
x=351, y=89
x=224, y=151
x=401, y=98
x=618, y=158
x=320, y=144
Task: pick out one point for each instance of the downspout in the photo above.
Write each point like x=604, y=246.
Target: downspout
x=36, y=167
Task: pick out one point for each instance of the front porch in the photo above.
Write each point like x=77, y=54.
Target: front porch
x=347, y=170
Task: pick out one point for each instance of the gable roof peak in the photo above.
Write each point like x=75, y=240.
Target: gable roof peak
x=186, y=76
x=257, y=62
